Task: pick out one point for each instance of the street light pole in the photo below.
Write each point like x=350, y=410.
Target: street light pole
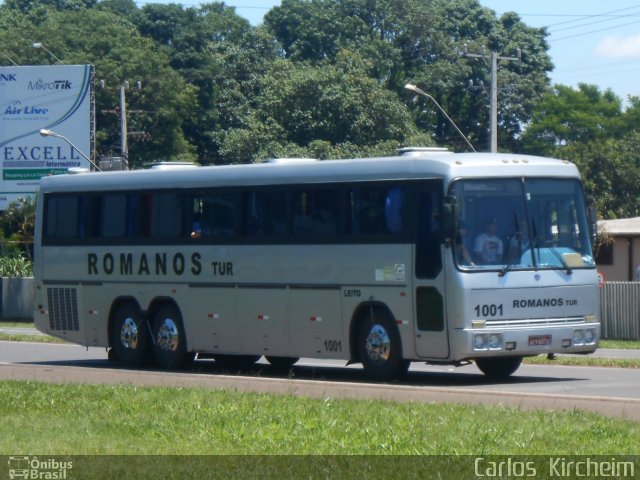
x=8, y=58
x=413, y=88
x=45, y=132
x=40, y=45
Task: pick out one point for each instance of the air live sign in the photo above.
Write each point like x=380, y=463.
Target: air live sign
x=54, y=97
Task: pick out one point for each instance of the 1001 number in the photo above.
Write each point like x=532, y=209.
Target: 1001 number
x=332, y=346
x=492, y=310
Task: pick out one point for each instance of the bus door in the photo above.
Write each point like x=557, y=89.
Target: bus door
x=430, y=327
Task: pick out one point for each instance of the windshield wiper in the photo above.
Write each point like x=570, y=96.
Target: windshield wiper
x=548, y=244
x=561, y=258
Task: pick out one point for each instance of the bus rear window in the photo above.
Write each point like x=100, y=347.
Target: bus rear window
x=61, y=217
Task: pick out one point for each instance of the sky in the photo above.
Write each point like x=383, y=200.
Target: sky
x=591, y=41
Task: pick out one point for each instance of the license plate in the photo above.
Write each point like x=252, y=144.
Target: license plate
x=539, y=340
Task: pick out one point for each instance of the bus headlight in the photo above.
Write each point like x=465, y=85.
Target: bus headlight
x=589, y=336
x=495, y=341
x=480, y=341
x=578, y=337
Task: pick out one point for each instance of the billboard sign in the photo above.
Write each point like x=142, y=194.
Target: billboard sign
x=32, y=98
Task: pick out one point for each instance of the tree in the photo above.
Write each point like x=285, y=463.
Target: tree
x=304, y=107
x=18, y=228
x=220, y=54
x=119, y=53
x=566, y=116
x=422, y=41
x=610, y=169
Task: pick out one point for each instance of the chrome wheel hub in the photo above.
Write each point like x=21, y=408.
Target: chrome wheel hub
x=378, y=344
x=129, y=334
x=167, y=337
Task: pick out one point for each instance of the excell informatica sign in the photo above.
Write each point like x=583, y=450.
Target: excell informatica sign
x=54, y=97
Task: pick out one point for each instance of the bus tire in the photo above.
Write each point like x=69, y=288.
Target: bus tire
x=169, y=341
x=282, y=363
x=498, y=367
x=129, y=336
x=236, y=362
x=380, y=348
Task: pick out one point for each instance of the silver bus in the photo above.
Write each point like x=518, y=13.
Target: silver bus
x=425, y=256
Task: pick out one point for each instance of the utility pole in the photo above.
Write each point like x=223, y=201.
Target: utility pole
x=124, y=149
x=122, y=112
x=493, y=102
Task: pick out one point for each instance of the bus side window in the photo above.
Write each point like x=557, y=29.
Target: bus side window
x=376, y=210
x=393, y=209
x=264, y=213
x=90, y=216
x=213, y=215
x=114, y=218
x=62, y=217
x=139, y=215
x=315, y=212
x=167, y=215
x=428, y=256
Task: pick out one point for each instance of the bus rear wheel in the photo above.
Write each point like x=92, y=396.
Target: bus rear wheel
x=380, y=349
x=169, y=341
x=129, y=336
x=498, y=367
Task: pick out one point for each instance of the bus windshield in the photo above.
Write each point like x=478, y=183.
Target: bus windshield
x=521, y=223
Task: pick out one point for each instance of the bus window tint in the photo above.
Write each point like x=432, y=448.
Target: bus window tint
x=167, y=215
x=264, y=213
x=62, y=217
x=315, y=212
x=428, y=256
x=376, y=210
x=214, y=215
x=114, y=219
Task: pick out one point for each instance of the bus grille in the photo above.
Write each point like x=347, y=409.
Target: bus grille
x=536, y=322
x=63, y=309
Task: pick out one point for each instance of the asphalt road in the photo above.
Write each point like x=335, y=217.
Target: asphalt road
x=608, y=391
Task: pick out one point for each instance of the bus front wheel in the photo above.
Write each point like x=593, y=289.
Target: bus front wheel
x=498, y=367
x=380, y=349
x=129, y=336
x=169, y=342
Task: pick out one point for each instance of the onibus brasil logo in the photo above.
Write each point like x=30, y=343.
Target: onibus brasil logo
x=38, y=468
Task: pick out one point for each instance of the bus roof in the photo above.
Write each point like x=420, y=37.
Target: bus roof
x=411, y=165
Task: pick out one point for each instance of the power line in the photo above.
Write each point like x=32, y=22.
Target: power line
x=586, y=17
x=593, y=31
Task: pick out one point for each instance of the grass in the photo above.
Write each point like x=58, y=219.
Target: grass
x=622, y=344
x=583, y=361
x=85, y=419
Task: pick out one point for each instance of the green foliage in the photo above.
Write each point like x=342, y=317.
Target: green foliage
x=566, y=116
x=17, y=228
x=590, y=128
x=320, y=110
x=15, y=265
x=422, y=41
x=210, y=81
